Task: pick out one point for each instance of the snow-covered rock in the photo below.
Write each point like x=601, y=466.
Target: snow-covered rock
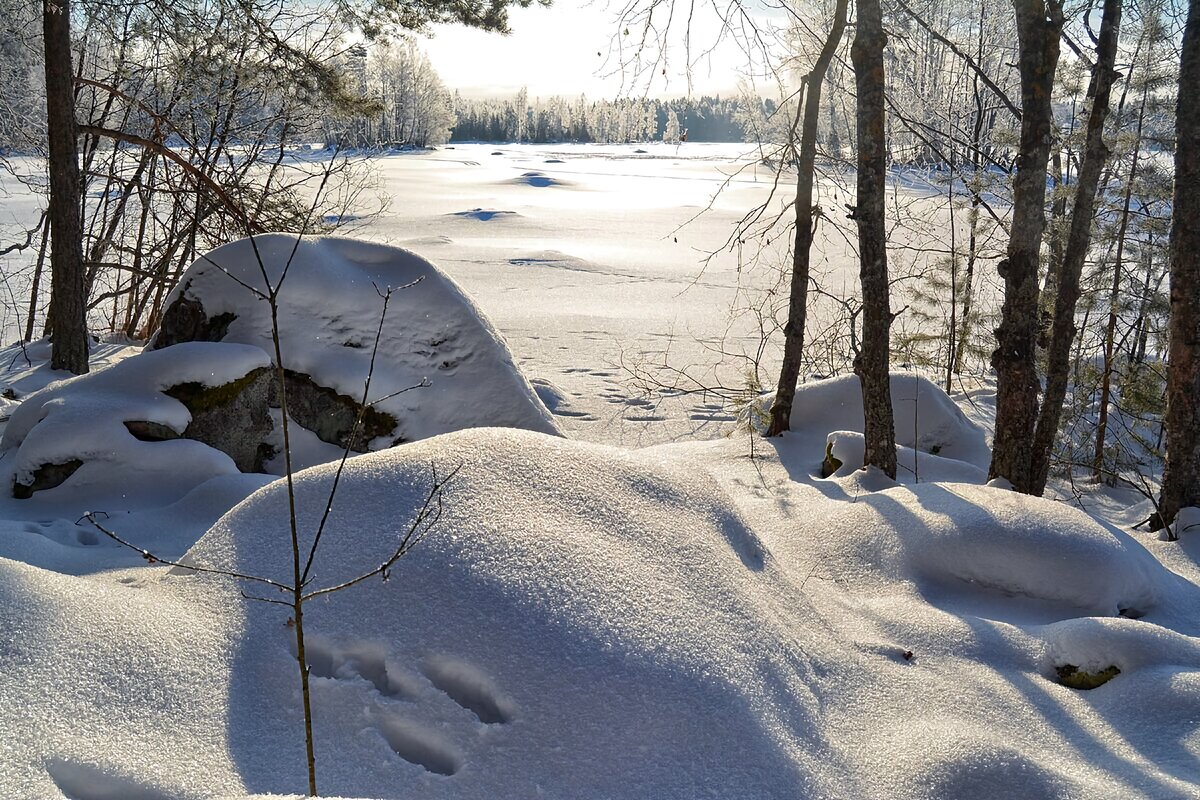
x=330, y=310
x=120, y=433
x=926, y=419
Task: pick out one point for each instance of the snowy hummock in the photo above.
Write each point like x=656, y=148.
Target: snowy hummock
x=82, y=418
x=330, y=310
x=712, y=624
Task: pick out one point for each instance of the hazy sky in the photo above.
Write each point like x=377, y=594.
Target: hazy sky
x=571, y=48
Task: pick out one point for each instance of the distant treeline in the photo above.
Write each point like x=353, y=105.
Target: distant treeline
x=703, y=119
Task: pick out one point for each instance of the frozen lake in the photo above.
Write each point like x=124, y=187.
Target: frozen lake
x=603, y=264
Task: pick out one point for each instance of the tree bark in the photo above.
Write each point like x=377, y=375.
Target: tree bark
x=793, y=331
x=871, y=363
x=1039, y=26
x=1181, y=476
x=68, y=319
x=1095, y=154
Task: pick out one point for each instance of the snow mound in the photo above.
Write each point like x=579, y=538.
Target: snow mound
x=485, y=215
x=912, y=466
x=1094, y=644
x=556, y=259
x=83, y=420
x=1018, y=545
x=926, y=418
x=536, y=179
x=577, y=607
x=25, y=368
x=111, y=690
x=330, y=310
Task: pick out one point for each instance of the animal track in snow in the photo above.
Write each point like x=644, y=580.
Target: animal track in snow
x=412, y=716
x=469, y=687
x=364, y=660
x=420, y=746
x=86, y=782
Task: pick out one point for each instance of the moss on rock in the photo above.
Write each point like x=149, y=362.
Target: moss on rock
x=1072, y=676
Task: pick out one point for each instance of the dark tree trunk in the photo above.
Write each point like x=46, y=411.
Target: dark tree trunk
x=1181, y=477
x=68, y=319
x=871, y=363
x=1058, y=210
x=1039, y=25
x=1095, y=154
x=793, y=331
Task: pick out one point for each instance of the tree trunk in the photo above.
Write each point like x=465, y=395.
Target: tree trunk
x=67, y=304
x=1095, y=154
x=1058, y=210
x=1039, y=25
x=1181, y=477
x=35, y=288
x=871, y=363
x=793, y=331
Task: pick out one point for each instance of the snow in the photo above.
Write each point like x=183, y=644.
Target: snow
x=704, y=617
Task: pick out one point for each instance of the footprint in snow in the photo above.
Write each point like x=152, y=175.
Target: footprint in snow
x=452, y=679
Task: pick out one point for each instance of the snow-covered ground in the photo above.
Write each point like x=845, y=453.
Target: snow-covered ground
x=590, y=617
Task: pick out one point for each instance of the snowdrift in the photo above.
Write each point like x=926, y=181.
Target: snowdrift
x=583, y=622
x=589, y=622
x=935, y=440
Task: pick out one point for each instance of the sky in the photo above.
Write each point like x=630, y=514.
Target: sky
x=574, y=47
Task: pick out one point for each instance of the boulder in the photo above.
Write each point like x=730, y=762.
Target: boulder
x=436, y=364
x=153, y=426
x=233, y=417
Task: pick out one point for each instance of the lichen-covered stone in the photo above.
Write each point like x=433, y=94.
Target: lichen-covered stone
x=331, y=416
x=831, y=464
x=233, y=418
x=185, y=320
x=146, y=431
x=1075, y=678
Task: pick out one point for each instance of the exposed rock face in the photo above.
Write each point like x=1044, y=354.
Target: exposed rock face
x=330, y=415
x=233, y=418
x=186, y=321
x=46, y=476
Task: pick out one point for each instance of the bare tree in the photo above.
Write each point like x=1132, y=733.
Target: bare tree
x=871, y=363
x=806, y=219
x=1181, y=476
x=1095, y=154
x=1039, y=27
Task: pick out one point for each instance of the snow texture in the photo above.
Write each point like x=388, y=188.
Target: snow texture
x=702, y=619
